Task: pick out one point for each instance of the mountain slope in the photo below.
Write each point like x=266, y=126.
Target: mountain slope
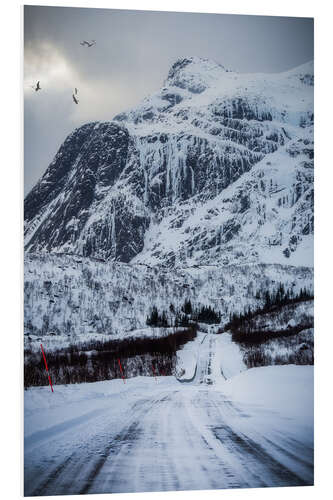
x=71, y=296
x=216, y=167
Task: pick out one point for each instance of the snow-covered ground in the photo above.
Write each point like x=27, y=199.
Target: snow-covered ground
x=55, y=342
x=275, y=387
x=228, y=358
x=157, y=434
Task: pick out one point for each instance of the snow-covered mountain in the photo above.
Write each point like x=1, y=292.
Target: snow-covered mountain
x=214, y=168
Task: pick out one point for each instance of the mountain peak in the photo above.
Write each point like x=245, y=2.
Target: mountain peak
x=195, y=62
x=194, y=73
x=304, y=73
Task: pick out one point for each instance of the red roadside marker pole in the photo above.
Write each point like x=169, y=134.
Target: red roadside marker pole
x=47, y=370
x=121, y=371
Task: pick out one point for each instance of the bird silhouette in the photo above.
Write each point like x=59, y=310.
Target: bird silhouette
x=75, y=91
x=38, y=87
x=74, y=99
x=88, y=44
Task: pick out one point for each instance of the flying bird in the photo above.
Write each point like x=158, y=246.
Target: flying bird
x=74, y=99
x=88, y=44
x=37, y=87
x=75, y=91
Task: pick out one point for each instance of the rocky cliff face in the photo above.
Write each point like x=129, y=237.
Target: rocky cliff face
x=216, y=167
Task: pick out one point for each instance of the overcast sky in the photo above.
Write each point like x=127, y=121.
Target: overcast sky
x=131, y=59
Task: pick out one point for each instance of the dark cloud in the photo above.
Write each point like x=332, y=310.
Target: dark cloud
x=131, y=59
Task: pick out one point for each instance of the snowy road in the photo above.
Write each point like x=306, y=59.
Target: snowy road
x=160, y=435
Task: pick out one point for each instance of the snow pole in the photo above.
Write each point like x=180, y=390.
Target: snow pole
x=121, y=371
x=47, y=370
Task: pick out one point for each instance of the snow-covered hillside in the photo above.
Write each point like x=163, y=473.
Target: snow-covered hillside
x=214, y=168
x=71, y=296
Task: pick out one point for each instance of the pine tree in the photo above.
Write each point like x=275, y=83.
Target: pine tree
x=187, y=307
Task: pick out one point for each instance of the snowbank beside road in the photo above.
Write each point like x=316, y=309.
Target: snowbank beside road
x=275, y=411
x=228, y=358
x=287, y=389
x=187, y=358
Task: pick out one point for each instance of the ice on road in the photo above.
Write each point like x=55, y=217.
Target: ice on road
x=159, y=434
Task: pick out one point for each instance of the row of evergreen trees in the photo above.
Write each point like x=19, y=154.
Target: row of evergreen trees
x=271, y=300
x=282, y=296
x=183, y=317
x=207, y=315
